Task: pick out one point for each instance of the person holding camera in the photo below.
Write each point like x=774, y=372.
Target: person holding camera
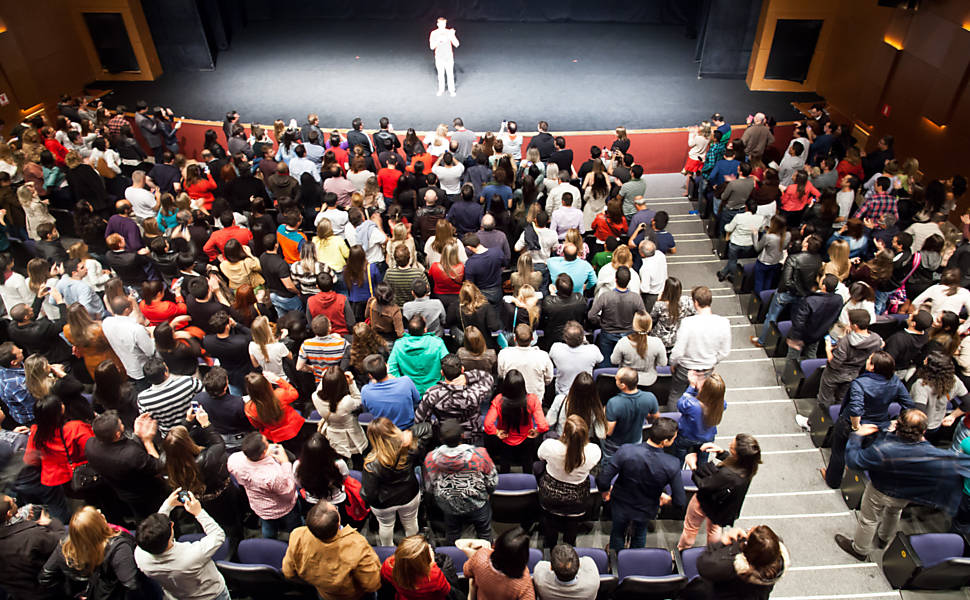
x=184, y=570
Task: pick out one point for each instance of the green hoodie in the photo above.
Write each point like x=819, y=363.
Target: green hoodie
x=419, y=358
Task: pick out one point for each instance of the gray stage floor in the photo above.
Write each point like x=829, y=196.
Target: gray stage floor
x=576, y=76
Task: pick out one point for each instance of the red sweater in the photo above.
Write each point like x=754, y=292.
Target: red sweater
x=604, y=228
x=57, y=150
x=387, y=179
x=54, y=466
x=217, y=241
x=165, y=310
x=287, y=427
x=332, y=305
x=443, y=284
x=791, y=201
x=434, y=587
x=493, y=421
x=202, y=189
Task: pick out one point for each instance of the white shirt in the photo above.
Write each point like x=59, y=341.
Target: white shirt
x=375, y=249
x=130, y=341
x=338, y=219
x=653, y=273
x=512, y=145
x=845, y=200
x=703, y=340
x=547, y=241
x=449, y=177
x=937, y=294
x=554, y=201
x=606, y=280
x=299, y=166
x=142, y=202
x=744, y=228
x=277, y=352
x=566, y=218
x=532, y=362
x=554, y=453
x=15, y=291
x=434, y=256
x=442, y=41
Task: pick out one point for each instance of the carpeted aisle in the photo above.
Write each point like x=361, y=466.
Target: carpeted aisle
x=575, y=76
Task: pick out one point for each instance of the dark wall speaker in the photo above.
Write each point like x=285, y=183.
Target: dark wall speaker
x=792, y=49
x=110, y=37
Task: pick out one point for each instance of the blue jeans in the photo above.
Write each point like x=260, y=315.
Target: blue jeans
x=288, y=522
x=546, y=279
x=734, y=253
x=481, y=519
x=285, y=305
x=618, y=532
x=765, y=276
x=778, y=302
x=606, y=342
x=881, y=299
x=724, y=217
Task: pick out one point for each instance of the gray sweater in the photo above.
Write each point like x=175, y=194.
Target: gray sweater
x=613, y=310
x=431, y=309
x=583, y=587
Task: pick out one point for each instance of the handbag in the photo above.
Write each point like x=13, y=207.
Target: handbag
x=83, y=477
x=356, y=507
x=505, y=339
x=897, y=298
x=103, y=169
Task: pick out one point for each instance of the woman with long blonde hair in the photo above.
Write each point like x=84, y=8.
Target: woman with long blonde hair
x=447, y=275
x=576, y=239
x=838, y=263
x=564, y=489
x=390, y=486
x=475, y=310
x=92, y=544
x=606, y=278
x=413, y=573
x=82, y=332
x=525, y=274
x=641, y=351
x=266, y=351
x=444, y=234
x=701, y=408
x=400, y=236
x=332, y=250
x=524, y=308
x=39, y=278
x=43, y=378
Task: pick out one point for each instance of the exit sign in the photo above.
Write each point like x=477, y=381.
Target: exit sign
x=4, y=100
x=886, y=109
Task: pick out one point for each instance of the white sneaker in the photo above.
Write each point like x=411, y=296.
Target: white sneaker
x=439, y=92
x=802, y=422
x=452, y=94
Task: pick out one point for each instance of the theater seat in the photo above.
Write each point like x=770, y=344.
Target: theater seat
x=515, y=499
x=820, y=423
x=688, y=561
x=457, y=556
x=260, y=551
x=535, y=555
x=221, y=554
x=775, y=344
x=744, y=278
x=758, y=306
x=647, y=574
x=853, y=486
x=801, y=378
x=383, y=552
x=602, y=560
x=258, y=573
x=928, y=561
x=605, y=381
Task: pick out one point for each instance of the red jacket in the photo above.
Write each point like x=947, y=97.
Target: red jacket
x=434, y=587
x=57, y=150
x=493, y=421
x=162, y=311
x=52, y=457
x=202, y=189
x=332, y=305
x=217, y=241
x=286, y=428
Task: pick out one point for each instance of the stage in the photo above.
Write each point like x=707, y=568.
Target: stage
x=576, y=76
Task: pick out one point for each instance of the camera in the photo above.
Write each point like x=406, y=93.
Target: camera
x=184, y=497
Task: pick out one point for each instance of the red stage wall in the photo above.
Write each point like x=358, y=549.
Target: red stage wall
x=659, y=150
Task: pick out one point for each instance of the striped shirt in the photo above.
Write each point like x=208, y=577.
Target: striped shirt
x=322, y=352
x=169, y=401
x=401, y=281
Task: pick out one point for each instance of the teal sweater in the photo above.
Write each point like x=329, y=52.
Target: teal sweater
x=418, y=357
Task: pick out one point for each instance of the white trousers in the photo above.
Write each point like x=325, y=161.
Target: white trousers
x=445, y=68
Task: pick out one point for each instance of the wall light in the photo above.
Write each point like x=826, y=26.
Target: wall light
x=930, y=121
x=894, y=43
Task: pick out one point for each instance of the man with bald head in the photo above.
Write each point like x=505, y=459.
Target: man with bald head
x=427, y=216
x=580, y=271
x=335, y=559
x=757, y=137
x=124, y=225
x=493, y=238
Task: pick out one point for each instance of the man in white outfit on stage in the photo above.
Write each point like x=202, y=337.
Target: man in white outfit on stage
x=442, y=41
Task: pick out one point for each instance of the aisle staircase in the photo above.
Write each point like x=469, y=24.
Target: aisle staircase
x=788, y=493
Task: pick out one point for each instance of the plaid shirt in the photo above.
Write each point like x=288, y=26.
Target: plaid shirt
x=715, y=152
x=116, y=123
x=13, y=392
x=877, y=206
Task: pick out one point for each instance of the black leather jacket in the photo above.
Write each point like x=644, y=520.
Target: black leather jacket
x=800, y=273
x=384, y=487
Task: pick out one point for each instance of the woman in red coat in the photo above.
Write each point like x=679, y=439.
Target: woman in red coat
x=56, y=447
x=413, y=572
x=199, y=185
x=270, y=410
x=154, y=306
x=513, y=424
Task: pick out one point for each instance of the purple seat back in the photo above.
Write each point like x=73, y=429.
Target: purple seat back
x=357, y=475
x=516, y=483
x=834, y=411
x=365, y=418
x=687, y=477
x=221, y=554
x=593, y=488
x=664, y=370
x=689, y=558
x=457, y=556
x=599, y=557
x=810, y=365
x=748, y=269
x=315, y=416
x=259, y=551
x=535, y=555
x=894, y=410
x=383, y=552
x=644, y=562
x=934, y=548
x=672, y=415
x=611, y=371
x=784, y=327
x=766, y=296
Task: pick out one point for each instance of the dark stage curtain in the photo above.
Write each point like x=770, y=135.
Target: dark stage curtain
x=666, y=12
